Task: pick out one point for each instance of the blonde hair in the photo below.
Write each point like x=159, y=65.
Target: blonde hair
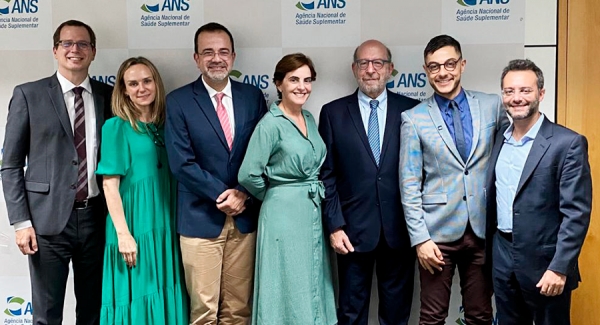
x=123, y=107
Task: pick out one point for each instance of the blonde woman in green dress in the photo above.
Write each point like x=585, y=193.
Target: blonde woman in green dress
x=292, y=283
x=142, y=276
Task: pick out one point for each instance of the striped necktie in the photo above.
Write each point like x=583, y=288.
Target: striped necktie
x=373, y=130
x=224, y=119
x=79, y=140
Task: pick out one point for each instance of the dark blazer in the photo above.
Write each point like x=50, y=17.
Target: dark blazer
x=552, y=206
x=200, y=158
x=39, y=133
x=360, y=197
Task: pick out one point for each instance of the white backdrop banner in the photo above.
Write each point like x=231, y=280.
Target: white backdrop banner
x=491, y=32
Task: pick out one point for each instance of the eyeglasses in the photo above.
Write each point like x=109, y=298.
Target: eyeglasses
x=509, y=92
x=209, y=54
x=363, y=64
x=449, y=65
x=82, y=45
x=156, y=137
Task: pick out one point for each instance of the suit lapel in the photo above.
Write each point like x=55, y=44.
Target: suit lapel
x=498, y=142
x=440, y=125
x=58, y=103
x=99, y=108
x=391, y=117
x=239, y=112
x=538, y=149
x=207, y=107
x=354, y=112
x=476, y=118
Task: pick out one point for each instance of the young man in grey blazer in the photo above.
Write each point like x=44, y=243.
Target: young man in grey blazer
x=444, y=153
x=56, y=206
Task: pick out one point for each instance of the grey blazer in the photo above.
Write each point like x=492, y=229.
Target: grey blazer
x=440, y=193
x=39, y=136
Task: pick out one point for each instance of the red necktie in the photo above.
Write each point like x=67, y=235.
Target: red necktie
x=79, y=139
x=224, y=119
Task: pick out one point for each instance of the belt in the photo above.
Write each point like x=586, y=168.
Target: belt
x=316, y=189
x=506, y=235
x=87, y=203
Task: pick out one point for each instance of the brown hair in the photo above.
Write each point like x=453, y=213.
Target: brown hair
x=74, y=23
x=123, y=107
x=289, y=63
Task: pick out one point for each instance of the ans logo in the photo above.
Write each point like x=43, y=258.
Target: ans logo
x=110, y=80
x=17, y=302
x=470, y=3
x=259, y=80
x=167, y=5
x=407, y=80
x=20, y=7
x=321, y=4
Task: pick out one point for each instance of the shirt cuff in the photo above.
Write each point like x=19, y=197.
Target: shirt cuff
x=22, y=225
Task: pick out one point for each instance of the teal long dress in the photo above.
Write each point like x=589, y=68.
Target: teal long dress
x=292, y=280
x=152, y=292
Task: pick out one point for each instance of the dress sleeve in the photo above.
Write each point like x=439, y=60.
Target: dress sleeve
x=115, y=156
x=252, y=172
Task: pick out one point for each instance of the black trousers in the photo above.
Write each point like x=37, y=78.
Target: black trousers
x=521, y=303
x=81, y=242
x=394, y=269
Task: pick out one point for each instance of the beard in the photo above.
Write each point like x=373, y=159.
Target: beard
x=371, y=89
x=533, y=108
x=217, y=75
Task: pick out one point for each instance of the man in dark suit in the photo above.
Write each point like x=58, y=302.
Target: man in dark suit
x=539, y=199
x=209, y=123
x=362, y=207
x=56, y=206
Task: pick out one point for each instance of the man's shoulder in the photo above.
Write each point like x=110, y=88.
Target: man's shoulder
x=186, y=90
x=101, y=86
x=36, y=84
x=245, y=88
x=340, y=102
x=481, y=95
x=401, y=101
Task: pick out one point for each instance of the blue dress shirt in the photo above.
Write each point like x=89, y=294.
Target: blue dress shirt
x=365, y=110
x=509, y=168
x=465, y=117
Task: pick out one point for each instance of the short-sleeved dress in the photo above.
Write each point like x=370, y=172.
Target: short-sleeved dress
x=293, y=283
x=152, y=292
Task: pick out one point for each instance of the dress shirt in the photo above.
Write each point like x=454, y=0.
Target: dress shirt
x=365, y=111
x=91, y=143
x=465, y=117
x=227, y=102
x=509, y=167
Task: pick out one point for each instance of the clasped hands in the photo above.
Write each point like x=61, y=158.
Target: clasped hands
x=232, y=202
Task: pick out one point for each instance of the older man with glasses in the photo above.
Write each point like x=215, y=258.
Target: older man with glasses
x=446, y=145
x=362, y=208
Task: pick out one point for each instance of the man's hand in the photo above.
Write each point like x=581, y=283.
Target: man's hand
x=552, y=283
x=26, y=241
x=430, y=256
x=232, y=202
x=340, y=242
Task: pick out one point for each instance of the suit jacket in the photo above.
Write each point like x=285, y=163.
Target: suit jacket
x=200, y=158
x=361, y=197
x=39, y=135
x=440, y=192
x=552, y=206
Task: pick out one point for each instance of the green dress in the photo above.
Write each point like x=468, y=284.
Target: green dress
x=152, y=292
x=292, y=280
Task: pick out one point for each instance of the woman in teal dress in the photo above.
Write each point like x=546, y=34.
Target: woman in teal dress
x=142, y=279
x=292, y=281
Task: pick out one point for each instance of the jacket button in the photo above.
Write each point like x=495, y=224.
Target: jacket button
x=378, y=178
x=466, y=172
x=74, y=162
x=73, y=186
x=464, y=197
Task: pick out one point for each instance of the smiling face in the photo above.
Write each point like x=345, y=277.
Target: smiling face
x=74, y=60
x=295, y=87
x=444, y=82
x=521, y=95
x=140, y=86
x=214, y=57
x=371, y=81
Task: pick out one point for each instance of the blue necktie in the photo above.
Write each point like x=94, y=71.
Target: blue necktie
x=459, y=135
x=373, y=133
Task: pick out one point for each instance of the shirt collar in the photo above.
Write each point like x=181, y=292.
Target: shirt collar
x=364, y=100
x=67, y=86
x=212, y=92
x=276, y=111
x=531, y=134
x=444, y=103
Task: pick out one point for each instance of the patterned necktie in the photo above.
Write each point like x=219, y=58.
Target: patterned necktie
x=79, y=140
x=224, y=119
x=459, y=135
x=373, y=133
